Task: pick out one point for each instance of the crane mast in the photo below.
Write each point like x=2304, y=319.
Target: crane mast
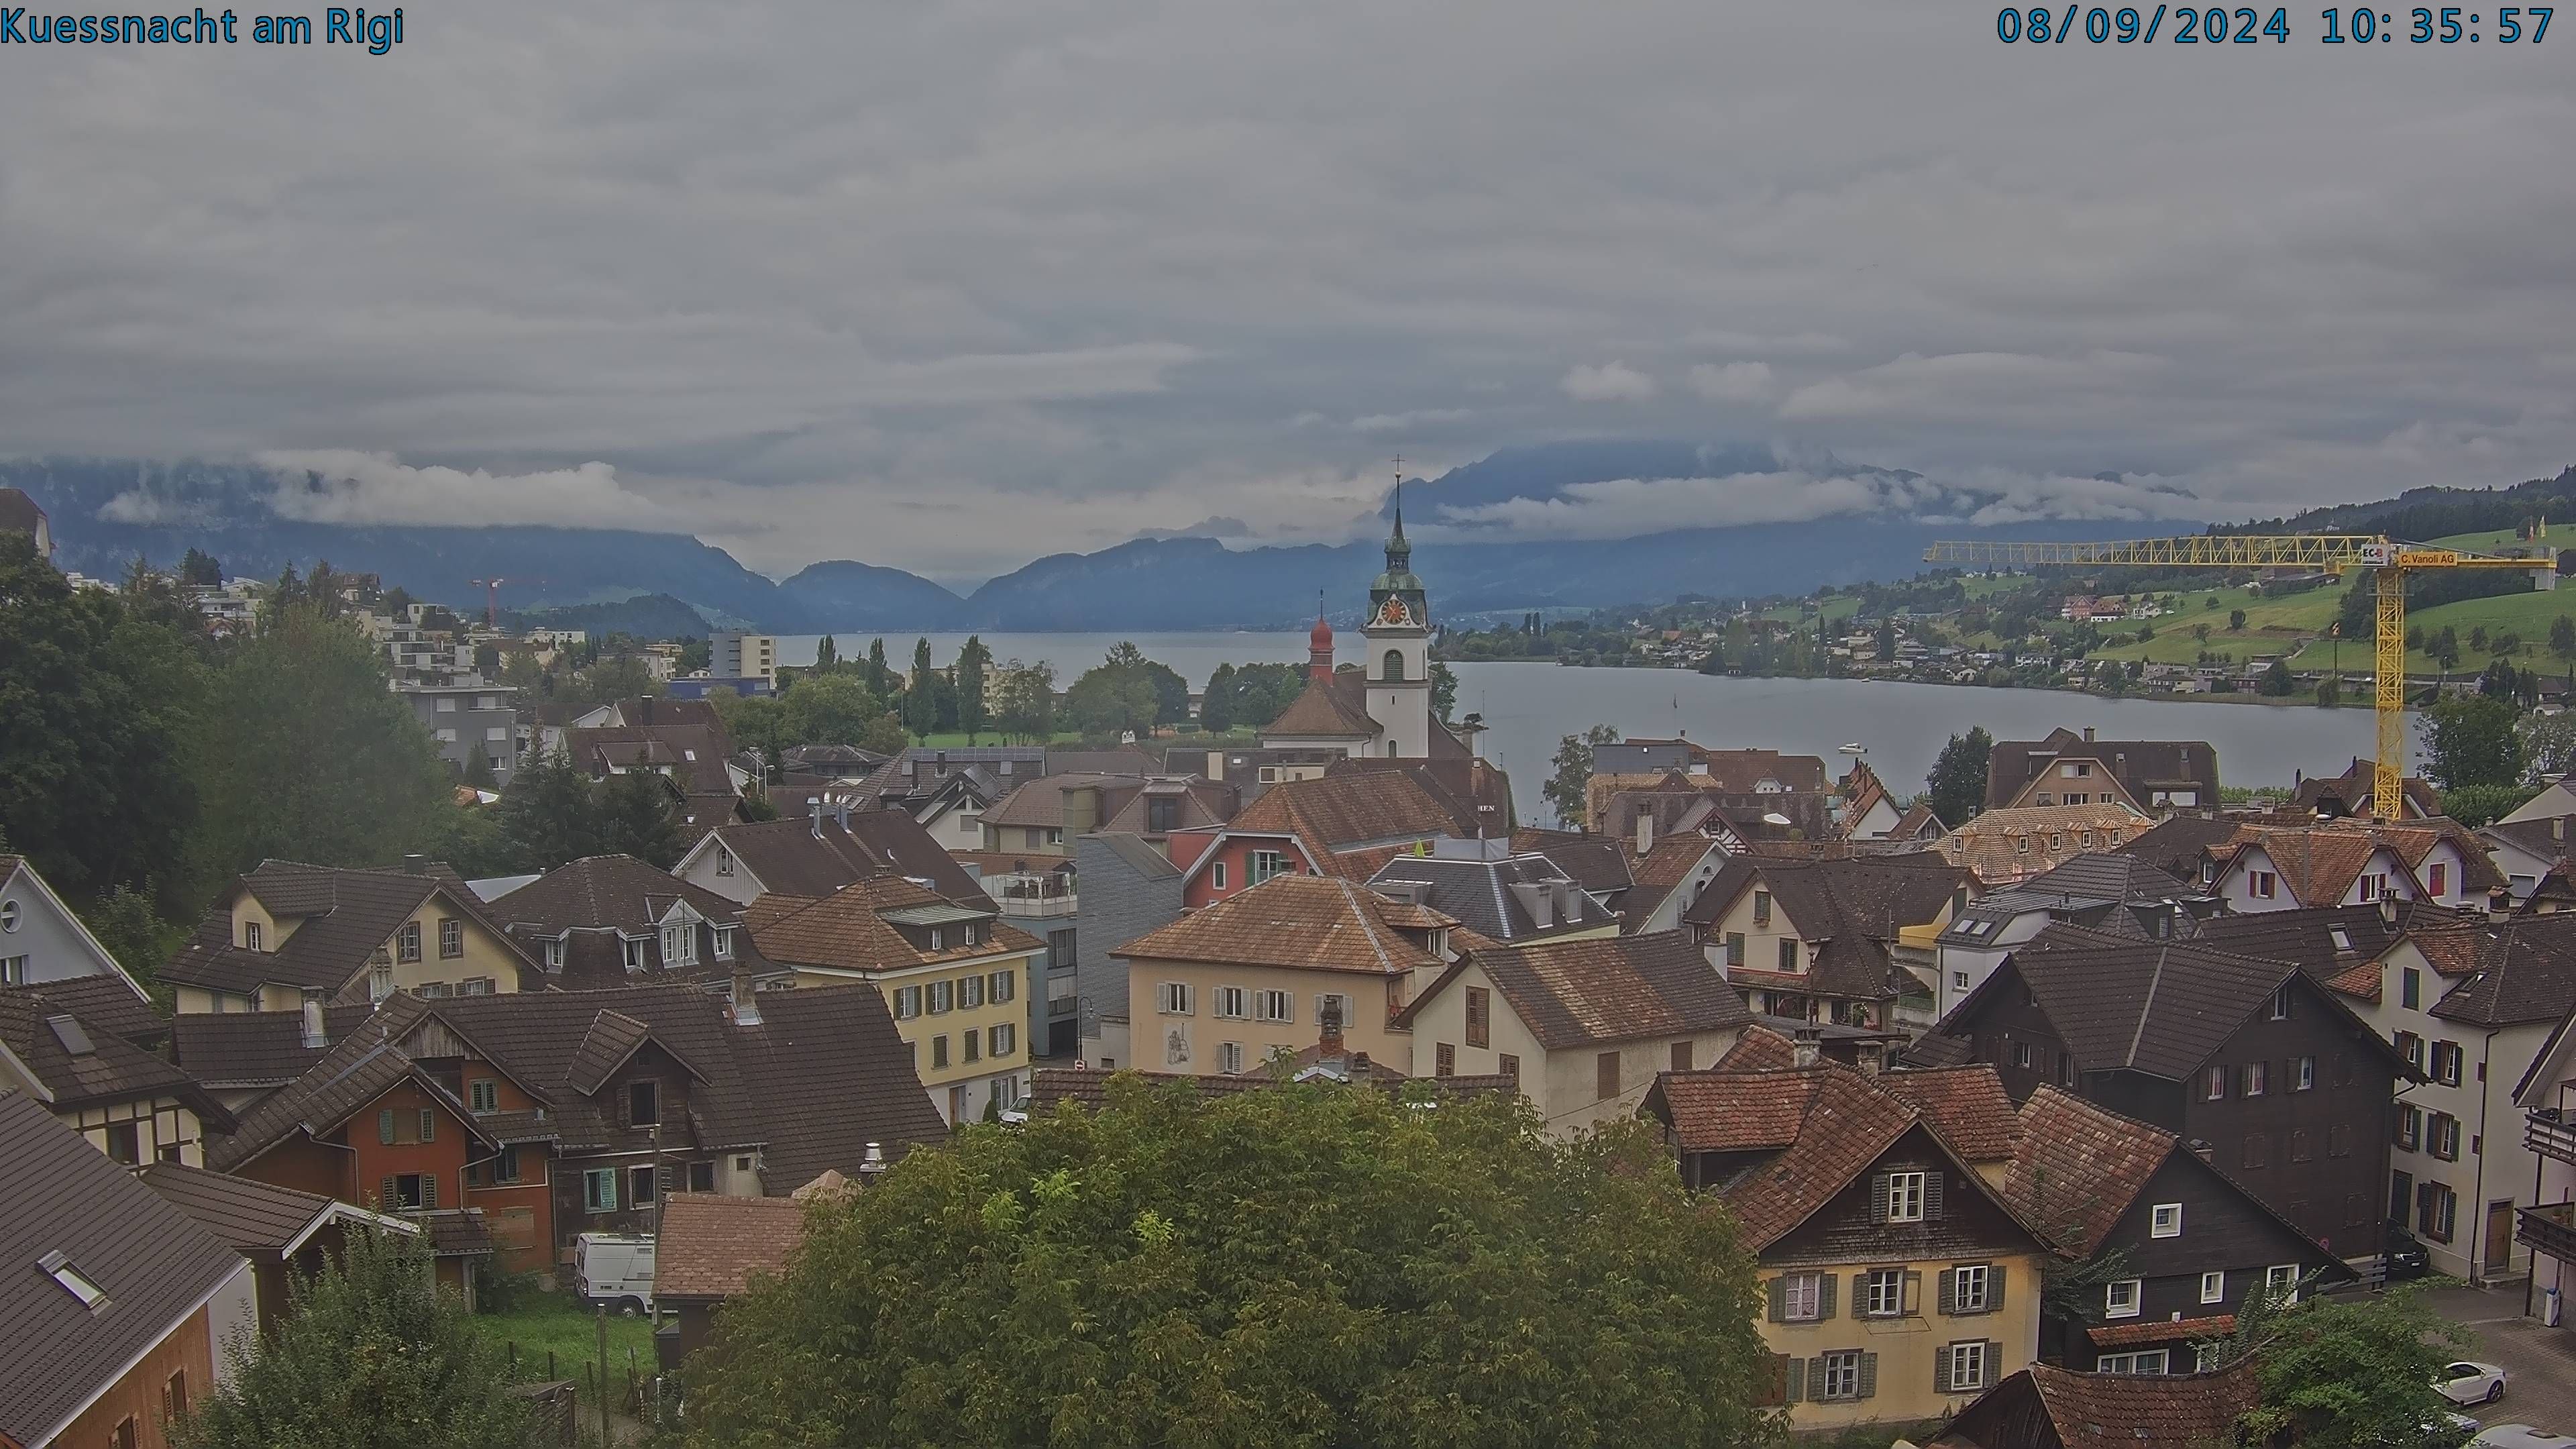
x=2388, y=561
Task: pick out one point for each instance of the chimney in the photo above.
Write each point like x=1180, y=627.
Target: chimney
x=1805, y=1044
x=2558, y=829
x=2499, y=904
x=1359, y=1068
x=746, y=1002
x=644, y=710
x=415, y=865
x=2088, y=734
x=1645, y=832
x=2201, y=1149
x=873, y=1166
x=1538, y=901
x=315, y=1037
x=1329, y=1043
x=2388, y=911
x=815, y=807
x=841, y=808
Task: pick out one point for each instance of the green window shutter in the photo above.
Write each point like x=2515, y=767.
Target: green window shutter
x=389, y=1196
x=1860, y=1294
x=1779, y=1290
x=1869, y=1375
x=1995, y=1288
x=1948, y=1295
x=1941, y=1369
x=1825, y=1294
x=1816, y=1380
x=1994, y=1364
x=428, y=1124
x=1932, y=1197
x=1877, y=1200
x=385, y=1125
x=429, y=1191
x=1797, y=1371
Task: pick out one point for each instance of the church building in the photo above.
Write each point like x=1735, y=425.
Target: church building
x=1382, y=710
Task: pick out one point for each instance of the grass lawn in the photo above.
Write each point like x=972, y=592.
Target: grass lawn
x=557, y=1321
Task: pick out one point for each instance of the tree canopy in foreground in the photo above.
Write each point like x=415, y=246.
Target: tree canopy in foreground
x=1306, y=1266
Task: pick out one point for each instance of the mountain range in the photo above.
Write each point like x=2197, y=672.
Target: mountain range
x=1514, y=531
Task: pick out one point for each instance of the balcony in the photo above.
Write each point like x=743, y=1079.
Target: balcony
x=2550, y=1132
x=1032, y=893
x=2550, y=1230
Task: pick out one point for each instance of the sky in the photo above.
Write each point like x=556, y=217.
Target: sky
x=950, y=286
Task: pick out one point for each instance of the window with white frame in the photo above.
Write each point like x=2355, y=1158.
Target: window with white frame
x=2213, y=1084
x=1229, y=1057
x=634, y=952
x=679, y=944
x=554, y=955
x=2213, y=1287
x=1971, y=1288
x=1230, y=1003
x=1802, y=1297
x=2303, y=1075
x=2120, y=1299
x=724, y=943
x=970, y=992
x=2281, y=1282
x=1002, y=986
x=1905, y=1197
x=1967, y=1365
x=1002, y=1040
x=1883, y=1293
x=2164, y=1220
x=724, y=861
x=2145, y=1361
x=907, y=1002
x=1172, y=998
x=943, y=997
x=1273, y=1006
x=407, y=942
x=1838, y=1376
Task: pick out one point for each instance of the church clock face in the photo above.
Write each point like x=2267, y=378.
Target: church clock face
x=1394, y=615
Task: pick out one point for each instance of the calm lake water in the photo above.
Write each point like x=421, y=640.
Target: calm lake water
x=1528, y=707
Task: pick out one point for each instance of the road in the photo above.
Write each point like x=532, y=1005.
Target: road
x=2540, y=1362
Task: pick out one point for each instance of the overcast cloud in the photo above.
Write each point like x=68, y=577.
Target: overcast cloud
x=951, y=286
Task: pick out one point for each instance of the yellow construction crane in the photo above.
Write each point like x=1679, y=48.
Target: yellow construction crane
x=2389, y=563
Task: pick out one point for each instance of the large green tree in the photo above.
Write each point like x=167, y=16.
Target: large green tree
x=310, y=757
x=1310, y=1266
x=371, y=1357
x=1958, y=779
x=639, y=815
x=2470, y=740
x=921, y=695
x=973, y=659
x=101, y=709
x=1024, y=700
x=2342, y=1373
x=548, y=815
x=1568, y=791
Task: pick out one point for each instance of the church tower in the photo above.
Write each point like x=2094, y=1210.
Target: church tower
x=1399, y=649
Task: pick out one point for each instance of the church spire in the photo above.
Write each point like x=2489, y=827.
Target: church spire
x=1399, y=552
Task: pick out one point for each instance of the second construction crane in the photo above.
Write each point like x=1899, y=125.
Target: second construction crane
x=2388, y=561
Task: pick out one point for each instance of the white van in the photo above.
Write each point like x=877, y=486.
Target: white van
x=614, y=1270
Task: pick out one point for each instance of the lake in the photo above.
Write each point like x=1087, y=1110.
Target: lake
x=1528, y=707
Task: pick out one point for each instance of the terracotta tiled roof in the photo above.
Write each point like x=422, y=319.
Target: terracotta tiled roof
x=2171, y=1330
x=2133, y=1411
x=1760, y=1049
x=2319, y=863
x=1094, y=1087
x=2009, y=845
x=711, y=1243
x=1321, y=711
x=847, y=930
x=1293, y=921
x=1338, y=813
x=1966, y=1105
x=1847, y=1125
x=1734, y=1110
x=2359, y=980
x=2077, y=1167
x=1605, y=989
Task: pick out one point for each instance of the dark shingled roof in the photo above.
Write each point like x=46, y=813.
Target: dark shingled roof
x=2174, y=845
x=250, y=1216
x=1478, y=894
x=61, y=1195
x=106, y=1002
x=1604, y=989
x=1855, y=906
x=256, y=1048
x=821, y=1075
x=78, y=1059
x=2141, y=766
x=346, y=915
x=2525, y=972
x=790, y=857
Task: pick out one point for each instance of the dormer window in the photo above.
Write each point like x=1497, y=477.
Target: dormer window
x=680, y=944
x=936, y=940
x=724, y=943
x=251, y=936
x=554, y=955
x=634, y=952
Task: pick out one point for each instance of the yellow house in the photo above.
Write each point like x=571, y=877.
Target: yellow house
x=287, y=933
x=1225, y=987
x=1897, y=1283
x=1585, y=1025
x=952, y=976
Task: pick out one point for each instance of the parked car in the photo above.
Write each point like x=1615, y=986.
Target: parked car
x=614, y=1270
x=2470, y=1383
x=2405, y=1257
x=2520, y=1436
